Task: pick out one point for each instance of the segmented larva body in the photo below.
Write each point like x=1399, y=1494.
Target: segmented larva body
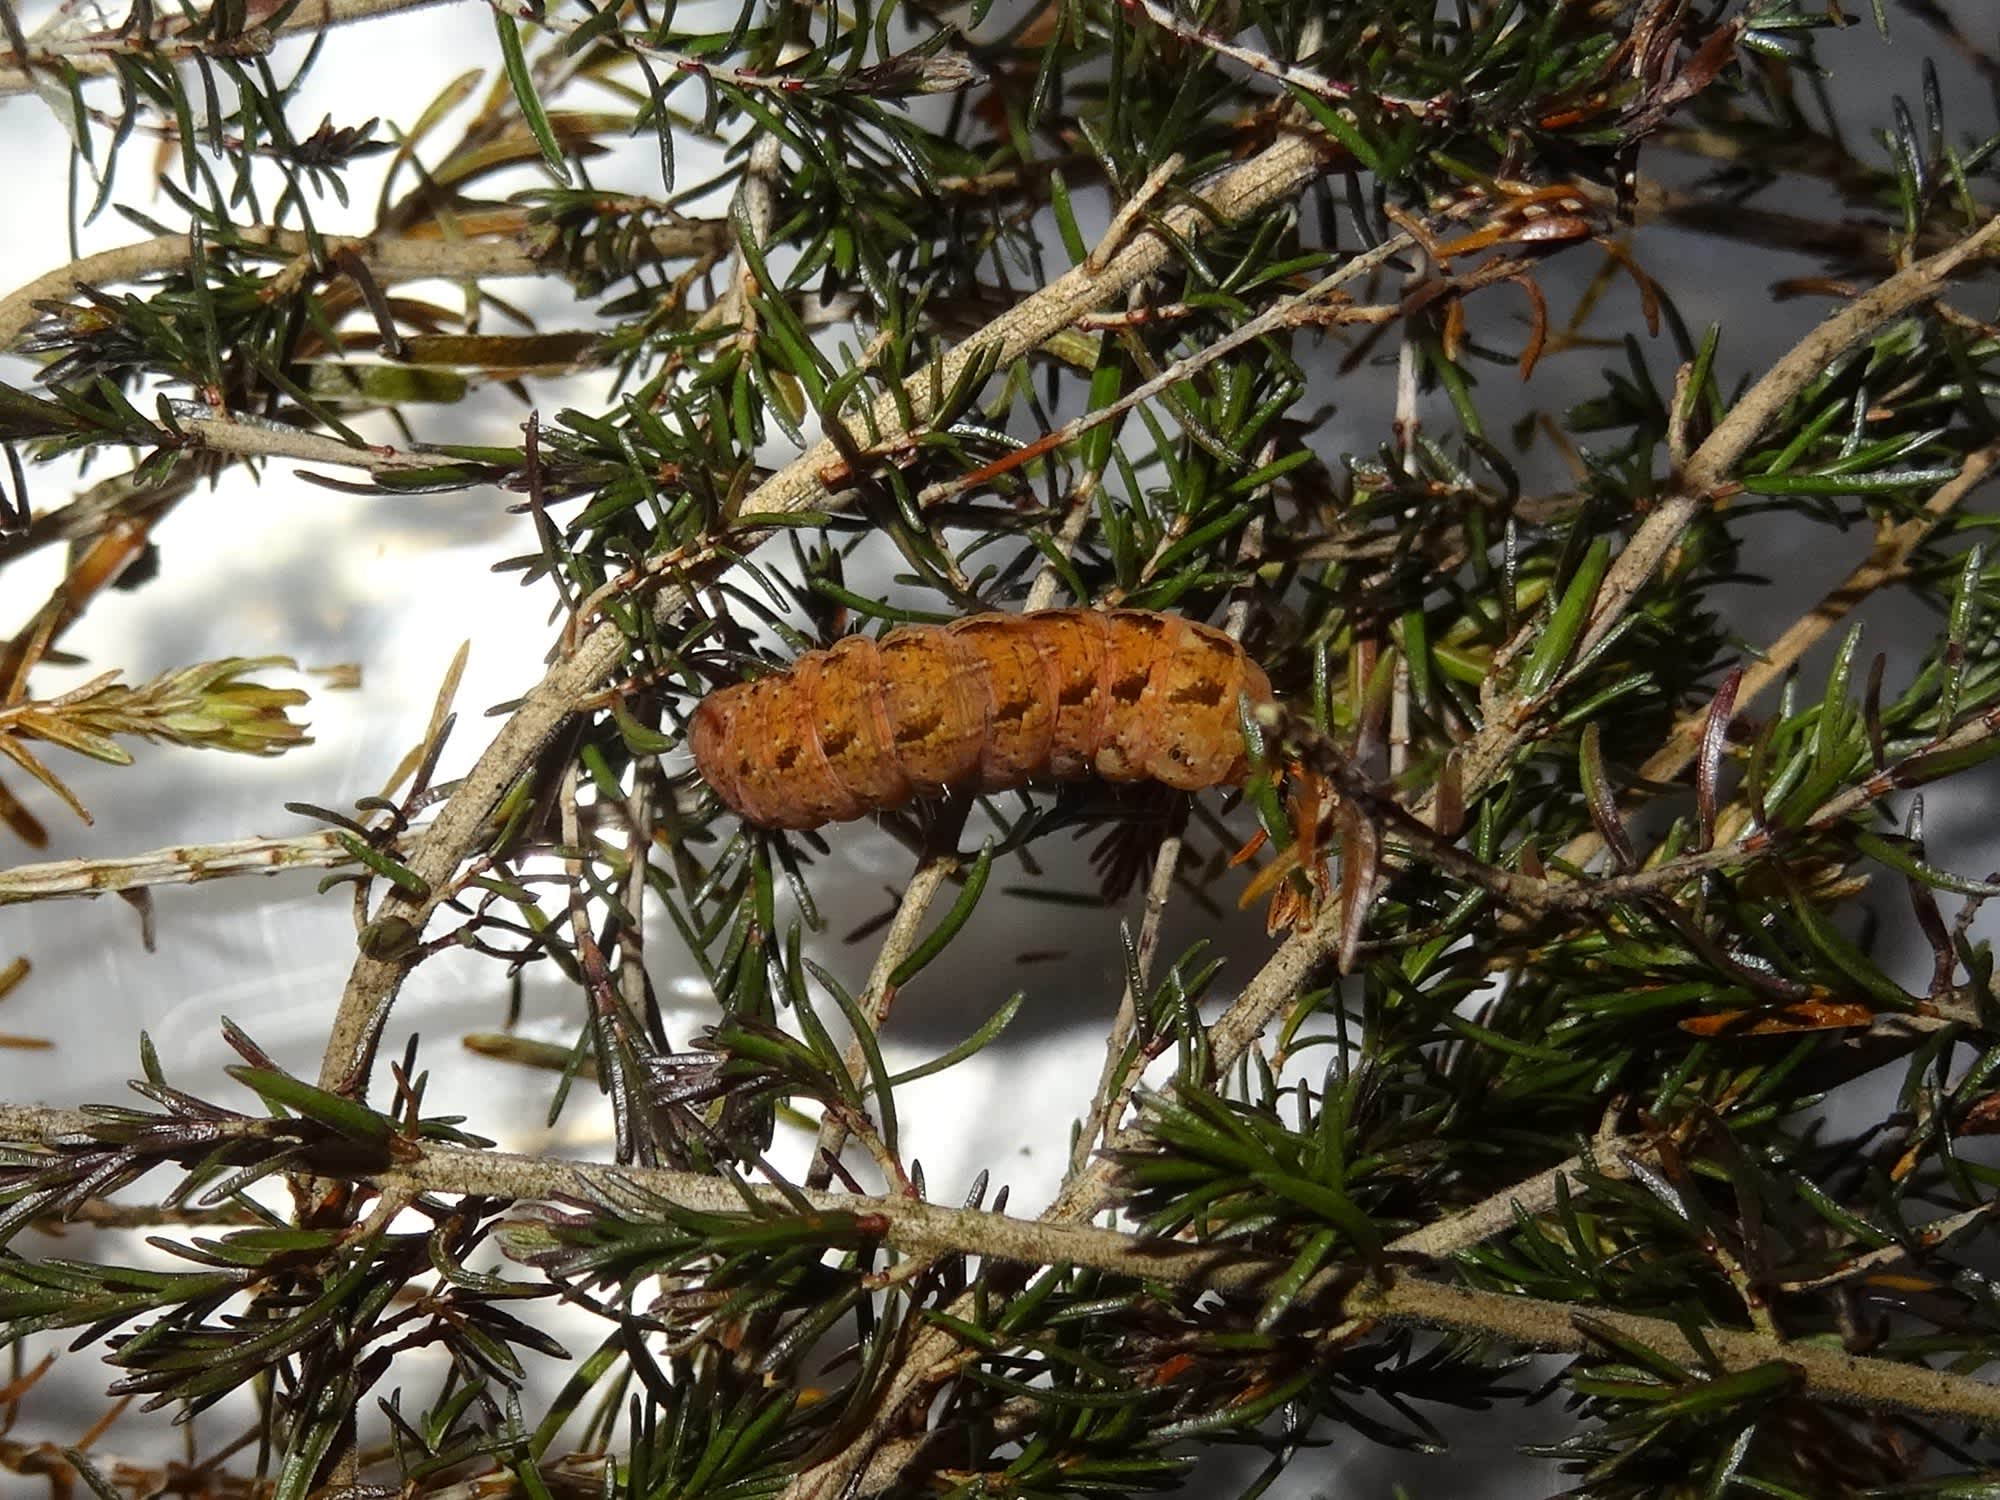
x=986, y=703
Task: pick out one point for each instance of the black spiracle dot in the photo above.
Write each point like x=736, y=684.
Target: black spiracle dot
x=917, y=727
x=1206, y=691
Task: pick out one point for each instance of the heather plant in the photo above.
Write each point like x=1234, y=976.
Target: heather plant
x=1581, y=984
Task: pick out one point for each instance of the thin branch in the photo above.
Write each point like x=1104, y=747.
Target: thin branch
x=928, y=1230
x=1320, y=305
x=1608, y=1156
x=1882, y=1257
x=100, y=1213
x=241, y=437
x=1508, y=719
x=389, y=258
x=182, y=864
x=1843, y=805
x=1885, y=564
x=1338, y=1294
x=1123, y=1062
x=1556, y=1328
x=932, y=874
x=1286, y=75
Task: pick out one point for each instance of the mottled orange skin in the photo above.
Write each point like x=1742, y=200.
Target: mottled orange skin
x=987, y=703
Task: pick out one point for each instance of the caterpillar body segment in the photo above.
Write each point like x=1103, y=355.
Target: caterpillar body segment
x=987, y=703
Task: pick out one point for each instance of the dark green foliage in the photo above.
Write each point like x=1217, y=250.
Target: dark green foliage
x=1604, y=948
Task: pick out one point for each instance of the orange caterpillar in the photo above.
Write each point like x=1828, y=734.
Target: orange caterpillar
x=986, y=703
